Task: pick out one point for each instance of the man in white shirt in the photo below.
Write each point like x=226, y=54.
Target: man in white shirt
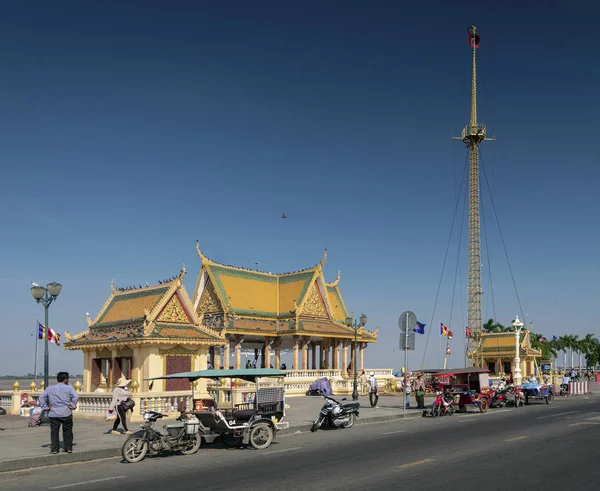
x=373, y=390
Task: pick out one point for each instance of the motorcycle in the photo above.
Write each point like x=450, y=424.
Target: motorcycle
x=443, y=404
x=519, y=396
x=497, y=398
x=336, y=414
x=183, y=436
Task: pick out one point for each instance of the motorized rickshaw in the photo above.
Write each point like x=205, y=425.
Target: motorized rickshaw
x=468, y=385
x=533, y=390
x=255, y=421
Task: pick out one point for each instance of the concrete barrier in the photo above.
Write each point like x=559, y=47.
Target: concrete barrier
x=579, y=388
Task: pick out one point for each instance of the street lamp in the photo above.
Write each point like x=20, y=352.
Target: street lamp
x=517, y=326
x=356, y=325
x=46, y=296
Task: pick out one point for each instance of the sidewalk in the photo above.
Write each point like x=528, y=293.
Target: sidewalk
x=24, y=447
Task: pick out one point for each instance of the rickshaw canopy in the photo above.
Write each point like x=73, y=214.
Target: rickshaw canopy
x=247, y=374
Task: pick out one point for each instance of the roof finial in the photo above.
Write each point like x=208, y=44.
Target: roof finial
x=112, y=286
x=337, y=280
x=202, y=256
x=324, y=258
x=183, y=271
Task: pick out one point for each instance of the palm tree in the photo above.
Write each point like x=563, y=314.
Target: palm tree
x=588, y=345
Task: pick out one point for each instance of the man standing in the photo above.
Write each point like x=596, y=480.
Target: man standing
x=364, y=383
x=373, y=390
x=420, y=391
x=60, y=399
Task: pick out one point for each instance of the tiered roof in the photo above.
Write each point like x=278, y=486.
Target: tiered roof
x=150, y=314
x=260, y=303
x=503, y=343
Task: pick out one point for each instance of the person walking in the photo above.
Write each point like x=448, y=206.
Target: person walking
x=420, y=391
x=120, y=394
x=373, y=390
x=60, y=400
x=364, y=383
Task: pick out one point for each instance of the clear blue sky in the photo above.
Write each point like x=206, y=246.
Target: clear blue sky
x=128, y=130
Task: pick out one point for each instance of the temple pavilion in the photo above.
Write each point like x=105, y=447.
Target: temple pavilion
x=296, y=311
x=141, y=333
x=151, y=331
x=498, y=352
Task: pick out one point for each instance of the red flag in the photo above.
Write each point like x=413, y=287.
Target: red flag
x=473, y=39
x=450, y=335
x=469, y=332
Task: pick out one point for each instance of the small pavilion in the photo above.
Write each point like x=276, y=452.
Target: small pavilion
x=299, y=311
x=498, y=351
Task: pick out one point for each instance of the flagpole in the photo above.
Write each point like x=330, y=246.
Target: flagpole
x=37, y=333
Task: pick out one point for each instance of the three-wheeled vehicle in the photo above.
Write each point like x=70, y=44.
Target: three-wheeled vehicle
x=468, y=385
x=533, y=390
x=254, y=421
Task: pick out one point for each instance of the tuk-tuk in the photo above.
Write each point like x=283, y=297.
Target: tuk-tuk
x=469, y=386
x=253, y=422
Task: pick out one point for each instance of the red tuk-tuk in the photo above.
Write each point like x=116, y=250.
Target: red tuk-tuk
x=468, y=385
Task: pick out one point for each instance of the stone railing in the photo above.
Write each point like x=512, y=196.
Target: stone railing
x=312, y=374
x=6, y=401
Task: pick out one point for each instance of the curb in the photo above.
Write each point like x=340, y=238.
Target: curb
x=62, y=458
x=87, y=455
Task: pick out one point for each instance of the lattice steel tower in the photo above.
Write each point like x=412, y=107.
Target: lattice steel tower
x=472, y=135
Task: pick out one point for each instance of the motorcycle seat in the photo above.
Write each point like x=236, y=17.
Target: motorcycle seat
x=244, y=415
x=352, y=405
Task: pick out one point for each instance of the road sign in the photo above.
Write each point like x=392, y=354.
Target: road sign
x=407, y=343
x=407, y=321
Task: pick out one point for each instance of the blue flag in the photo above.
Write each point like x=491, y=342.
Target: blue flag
x=41, y=331
x=420, y=329
x=554, y=338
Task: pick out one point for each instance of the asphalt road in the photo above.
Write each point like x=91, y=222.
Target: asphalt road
x=536, y=447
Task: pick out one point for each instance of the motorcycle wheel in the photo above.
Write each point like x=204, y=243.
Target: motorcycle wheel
x=191, y=444
x=261, y=435
x=435, y=410
x=134, y=449
x=317, y=424
x=451, y=410
x=350, y=421
x=548, y=398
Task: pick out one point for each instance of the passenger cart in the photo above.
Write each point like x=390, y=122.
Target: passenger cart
x=469, y=386
x=533, y=390
x=254, y=422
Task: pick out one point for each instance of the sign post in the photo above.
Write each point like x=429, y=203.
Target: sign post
x=407, y=322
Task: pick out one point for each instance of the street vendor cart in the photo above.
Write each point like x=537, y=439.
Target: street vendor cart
x=469, y=386
x=254, y=422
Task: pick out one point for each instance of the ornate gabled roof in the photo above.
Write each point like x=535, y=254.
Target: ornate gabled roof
x=501, y=342
x=135, y=315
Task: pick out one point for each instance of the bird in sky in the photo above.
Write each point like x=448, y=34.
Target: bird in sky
x=256, y=262
x=283, y=215
x=33, y=283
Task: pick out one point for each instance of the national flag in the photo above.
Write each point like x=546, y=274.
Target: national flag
x=473, y=39
x=543, y=339
x=41, y=331
x=468, y=332
x=53, y=336
x=443, y=329
x=450, y=335
x=554, y=338
x=420, y=329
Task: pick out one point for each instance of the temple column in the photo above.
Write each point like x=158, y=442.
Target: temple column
x=295, y=353
x=326, y=361
x=352, y=356
x=211, y=355
x=344, y=357
x=336, y=354
x=238, y=351
x=314, y=356
x=267, y=358
x=217, y=358
x=227, y=354
x=305, y=340
x=361, y=352
x=277, y=354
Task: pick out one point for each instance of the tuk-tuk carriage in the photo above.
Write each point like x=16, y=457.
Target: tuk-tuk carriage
x=468, y=385
x=532, y=390
x=255, y=421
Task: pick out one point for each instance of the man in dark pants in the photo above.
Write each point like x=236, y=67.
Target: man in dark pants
x=60, y=399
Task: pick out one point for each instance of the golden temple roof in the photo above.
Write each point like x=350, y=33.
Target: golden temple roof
x=504, y=342
x=133, y=315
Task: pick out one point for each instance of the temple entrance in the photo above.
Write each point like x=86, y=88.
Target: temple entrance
x=102, y=376
x=177, y=364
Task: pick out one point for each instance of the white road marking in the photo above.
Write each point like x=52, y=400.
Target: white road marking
x=392, y=432
x=559, y=414
x=280, y=451
x=93, y=481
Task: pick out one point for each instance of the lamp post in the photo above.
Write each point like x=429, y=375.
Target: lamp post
x=356, y=325
x=46, y=296
x=517, y=326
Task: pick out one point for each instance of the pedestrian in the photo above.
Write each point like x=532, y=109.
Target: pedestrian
x=420, y=391
x=120, y=395
x=511, y=379
x=60, y=400
x=373, y=390
x=407, y=390
x=364, y=383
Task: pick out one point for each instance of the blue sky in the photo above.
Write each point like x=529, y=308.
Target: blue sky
x=128, y=131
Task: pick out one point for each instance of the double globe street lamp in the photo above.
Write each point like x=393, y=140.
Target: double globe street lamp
x=517, y=326
x=46, y=296
x=356, y=325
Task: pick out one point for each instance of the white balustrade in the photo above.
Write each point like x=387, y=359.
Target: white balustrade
x=6, y=400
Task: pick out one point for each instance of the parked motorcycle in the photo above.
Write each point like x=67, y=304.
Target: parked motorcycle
x=443, y=404
x=497, y=398
x=182, y=436
x=519, y=397
x=336, y=414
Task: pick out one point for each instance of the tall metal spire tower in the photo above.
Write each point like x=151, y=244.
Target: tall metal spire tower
x=472, y=135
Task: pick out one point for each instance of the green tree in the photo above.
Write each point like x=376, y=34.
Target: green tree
x=492, y=326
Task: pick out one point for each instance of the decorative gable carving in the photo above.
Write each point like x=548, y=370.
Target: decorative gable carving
x=314, y=305
x=209, y=301
x=173, y=312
